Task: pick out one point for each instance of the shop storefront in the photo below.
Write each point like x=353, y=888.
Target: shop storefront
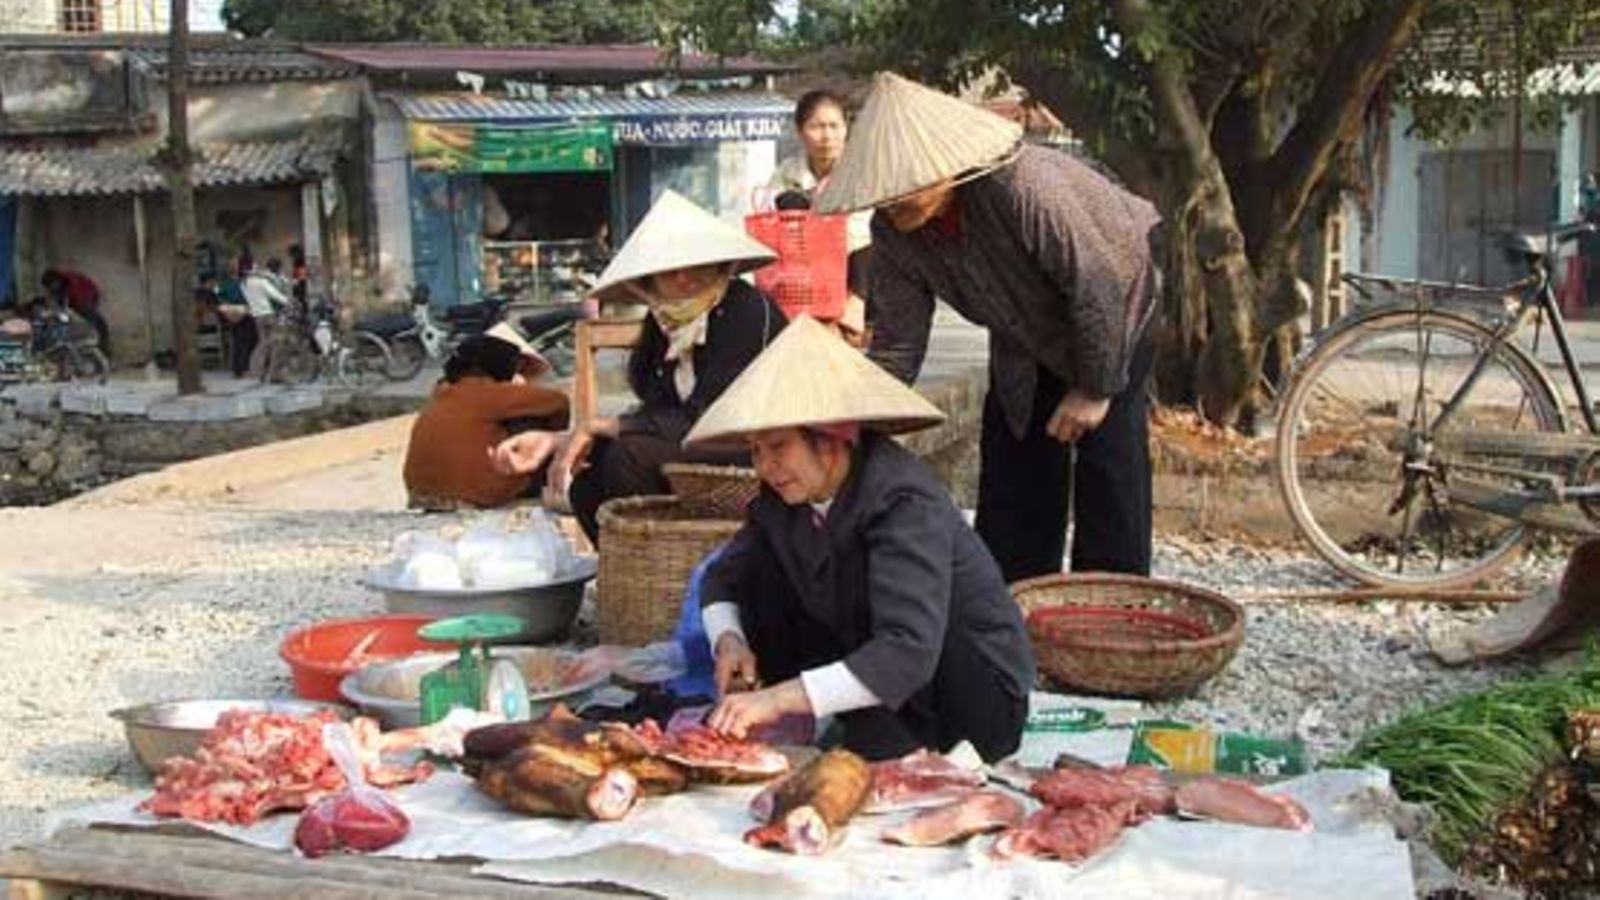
x=519, y=198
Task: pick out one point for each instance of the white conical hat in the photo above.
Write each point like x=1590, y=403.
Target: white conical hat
x=677, y=234
x=909, y=137
x=809, y=376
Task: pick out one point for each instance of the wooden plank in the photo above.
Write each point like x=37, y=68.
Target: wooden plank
x=592, y=336
x=206, y=865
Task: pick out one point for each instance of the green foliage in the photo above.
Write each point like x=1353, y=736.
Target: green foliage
x=449, y=21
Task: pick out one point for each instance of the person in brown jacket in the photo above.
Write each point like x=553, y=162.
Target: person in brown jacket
x=1060, y=265
x=483, y=398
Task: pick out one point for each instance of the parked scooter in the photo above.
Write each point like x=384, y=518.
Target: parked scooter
x=57, y=346
x=412, y=343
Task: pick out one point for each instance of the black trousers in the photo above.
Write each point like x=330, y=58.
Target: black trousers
x=243, y=339
x=630, y=466
x=1026, y=486
x=964, y=701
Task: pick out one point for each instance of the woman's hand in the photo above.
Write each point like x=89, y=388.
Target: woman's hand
x=524, y=453
x=736, y=665
x=575, y=457
x=738, y=713
x=1077, y=415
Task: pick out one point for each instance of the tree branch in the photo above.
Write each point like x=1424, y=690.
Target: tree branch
x=1169, y=89
x=1133, y=161
x=1334, y=112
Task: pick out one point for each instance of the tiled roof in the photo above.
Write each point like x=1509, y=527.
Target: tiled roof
x=248, y=63
x=129, y=168
x=463, y=107
x=617, y=59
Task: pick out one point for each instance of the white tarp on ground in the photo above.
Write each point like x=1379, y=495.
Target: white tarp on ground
x=690, y=844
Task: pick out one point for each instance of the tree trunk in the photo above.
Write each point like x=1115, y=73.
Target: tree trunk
x=181, y=190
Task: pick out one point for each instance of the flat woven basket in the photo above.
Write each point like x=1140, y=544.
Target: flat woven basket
x=720, y=492
x=1127, y=636
x=648, y=548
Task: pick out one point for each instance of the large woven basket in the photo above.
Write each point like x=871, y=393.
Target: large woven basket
x=1127, y=636
x=717, y=492
x=648, y=548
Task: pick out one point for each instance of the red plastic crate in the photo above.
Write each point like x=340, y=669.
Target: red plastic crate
x=810, y=275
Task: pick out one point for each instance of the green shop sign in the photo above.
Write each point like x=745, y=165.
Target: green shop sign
x=450, y=147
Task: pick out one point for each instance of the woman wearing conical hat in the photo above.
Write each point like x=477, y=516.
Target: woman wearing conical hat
x=704, y=326
x=1058, y=263
x=855, y=588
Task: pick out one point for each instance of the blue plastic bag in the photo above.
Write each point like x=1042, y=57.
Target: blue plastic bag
x=699, y=678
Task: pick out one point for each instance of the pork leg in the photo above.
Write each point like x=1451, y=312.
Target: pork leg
x=542, y=785
x=810, y=807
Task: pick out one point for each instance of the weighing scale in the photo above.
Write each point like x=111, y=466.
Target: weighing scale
x=474, y=680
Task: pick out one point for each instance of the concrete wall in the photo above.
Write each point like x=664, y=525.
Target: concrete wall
x=1393, y=246
x=390, y=202
x=97, y=236
x=263, y=111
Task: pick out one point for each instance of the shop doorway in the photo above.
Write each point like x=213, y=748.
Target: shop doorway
x=544, y=234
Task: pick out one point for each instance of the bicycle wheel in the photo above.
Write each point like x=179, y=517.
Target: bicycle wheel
x=406, y=356
x=364, y=363
x=1362, y=477
x=83, y=364
x=290, y=361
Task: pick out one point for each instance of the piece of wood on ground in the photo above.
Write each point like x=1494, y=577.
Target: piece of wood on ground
x=200, y=865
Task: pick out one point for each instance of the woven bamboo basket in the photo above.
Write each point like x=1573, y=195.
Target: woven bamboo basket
x=648, y=548
x=1127, y=636
x=720, y=492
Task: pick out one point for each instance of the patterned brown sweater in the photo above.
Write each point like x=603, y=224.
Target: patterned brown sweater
x=1050, y=256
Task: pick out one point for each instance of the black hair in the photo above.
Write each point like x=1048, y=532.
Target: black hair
x=274, y=264
x=793, y=199
x=810, y=101
x=484, y=356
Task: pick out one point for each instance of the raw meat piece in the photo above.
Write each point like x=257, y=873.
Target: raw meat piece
x=363, y=822
x=1144, y=785
x=1240, y=802
x=252, y=763
x=810, y=807
x=1070, y=835
x=977, y=814
x=1152, y=793
x=713, y=758
x=918, y=780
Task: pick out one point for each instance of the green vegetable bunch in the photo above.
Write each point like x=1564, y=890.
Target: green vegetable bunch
x=1480, y=753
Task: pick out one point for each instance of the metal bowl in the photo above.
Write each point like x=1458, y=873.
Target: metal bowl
x=159, y=731
x=549, y=608
x=390, y=691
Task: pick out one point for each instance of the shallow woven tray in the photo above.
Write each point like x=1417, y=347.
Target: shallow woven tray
x=649, y=546
x=716, y=491
x=1123, y=635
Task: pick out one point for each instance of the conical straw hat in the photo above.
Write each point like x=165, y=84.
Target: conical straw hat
x=909, y=137
x=810, y=376
x=677, y=234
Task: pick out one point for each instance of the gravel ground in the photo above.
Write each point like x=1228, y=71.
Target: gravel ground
x=113, y=607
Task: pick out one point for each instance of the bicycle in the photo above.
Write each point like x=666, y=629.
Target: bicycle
x=1417, y=445
x=301, y=348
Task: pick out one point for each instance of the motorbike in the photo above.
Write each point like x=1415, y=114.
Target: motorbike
x=55, y=346
x=421, y=336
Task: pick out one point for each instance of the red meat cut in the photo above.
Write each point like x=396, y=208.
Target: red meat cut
x=363, y=822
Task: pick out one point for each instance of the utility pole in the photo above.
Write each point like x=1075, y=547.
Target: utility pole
x=181, y=189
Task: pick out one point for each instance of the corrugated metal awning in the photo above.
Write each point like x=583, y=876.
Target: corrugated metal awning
x=130, y=168
x=1561, y=80
x=466, y=107
x=599, y=59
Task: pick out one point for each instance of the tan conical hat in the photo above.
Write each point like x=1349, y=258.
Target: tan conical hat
x=677, y=234
x=909, y=137
x=810, y=376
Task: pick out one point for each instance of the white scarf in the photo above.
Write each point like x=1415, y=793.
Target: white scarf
x=681, y=341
